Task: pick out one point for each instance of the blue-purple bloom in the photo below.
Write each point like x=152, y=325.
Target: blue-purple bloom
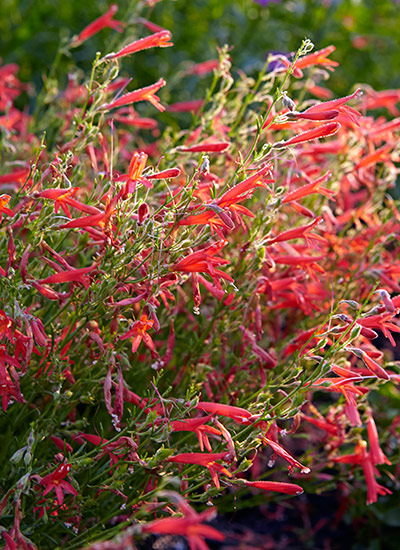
x=266, y=2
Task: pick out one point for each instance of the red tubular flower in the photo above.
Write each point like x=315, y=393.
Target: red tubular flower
x=10, y=543
x=18, y=176
x=105, y=20
x=210, y=147
x=164, y=174
x=322, y=424
x=347, y=388
x=323, y=115
x=63, y=198
x=236, y=413
x=101, y=219
x=204, y=459
x=186, y=106
x=372, y=365
x=316, y=58
x=220, y=211
x=203, y=68
x=190, y=526
x=380, y=155
x=5, y=326
x=381, y=322
x=322, y=131
x=329, y=110
x=203, y=261
x=276, y=486
x=5, y=358
x=49, y=292
x=60, y=444
x=74, y=275
x=241, y=190
x=299, y=232
x=159, y=39
x=139, y=332
x=4, y=200
x=373, y=487
x=376, y=453
x=149, y=25
x=9, y=387
x=362, y=457
x=57, y=482
x=122, y=448
x=197, y=425
x=385, y=98
x=309, y=189
x=136, y=167
x=279, y=450
x=142, y=94
x=143, y=212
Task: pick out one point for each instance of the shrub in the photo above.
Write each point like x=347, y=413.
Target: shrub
x=188, y=310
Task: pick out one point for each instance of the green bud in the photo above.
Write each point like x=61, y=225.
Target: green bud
x=17, y=456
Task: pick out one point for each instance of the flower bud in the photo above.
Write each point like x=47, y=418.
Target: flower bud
x=288, y=102
x=143, y=213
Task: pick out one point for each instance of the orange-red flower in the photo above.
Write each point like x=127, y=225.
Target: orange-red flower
x=105, y=20
x=56, y=481
x=319, y=57
x=139, y=332
x=376, y=453
x=100, y=219
x=206, y=147
x=64, y=198
x=276, y=486
x=221, y=211
x=159, y=39
x=4, y=200
x=309, y=189
x=299, y=232
x=279, y=450
x=203, y=68
x=142, y=94
x=18, y=176
x=372, y=365
x=204, y=459
x=190, y=526
x=186, y=106
x=321, y=131
x=198, y=426
x=136, y=167
x=72, y=275
x=236, y=413
x=362, y=457
x=5, y=326
x=203, y=261
x=328, y=110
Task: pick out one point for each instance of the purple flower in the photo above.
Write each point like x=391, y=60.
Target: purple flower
x=266, y=2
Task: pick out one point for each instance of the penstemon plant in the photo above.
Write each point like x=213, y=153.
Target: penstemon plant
x=191, y=311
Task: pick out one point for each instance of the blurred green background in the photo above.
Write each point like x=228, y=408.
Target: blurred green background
x=365, y=33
